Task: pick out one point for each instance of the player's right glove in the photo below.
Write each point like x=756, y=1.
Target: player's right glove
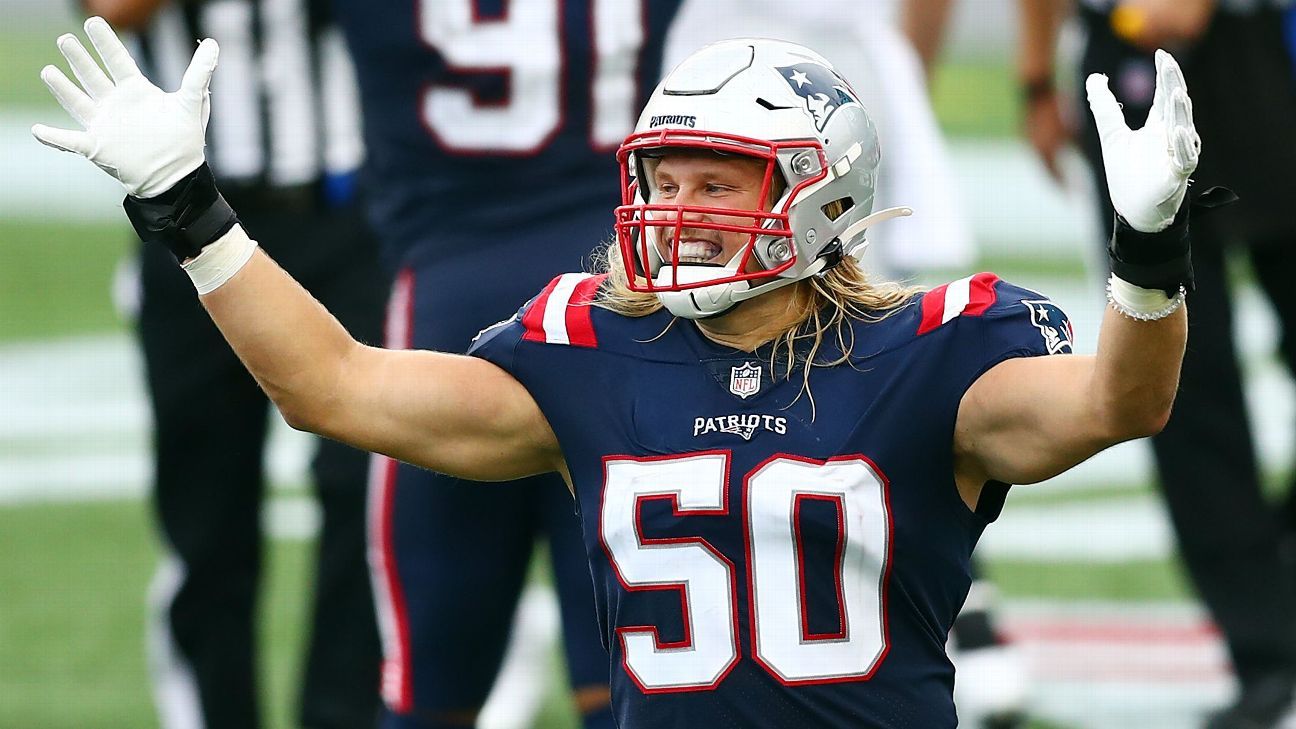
x=150, y=140
x=146, y=138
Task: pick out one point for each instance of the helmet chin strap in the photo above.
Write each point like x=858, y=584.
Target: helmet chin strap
x=702, y=302
x=706, y=302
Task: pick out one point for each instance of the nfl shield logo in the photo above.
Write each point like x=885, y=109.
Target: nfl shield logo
x=744, y=380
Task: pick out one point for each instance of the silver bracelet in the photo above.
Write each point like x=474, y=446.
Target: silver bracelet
x=1142, y=304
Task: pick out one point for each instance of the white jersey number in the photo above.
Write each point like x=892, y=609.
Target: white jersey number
x=697, y=485
x=526, y=44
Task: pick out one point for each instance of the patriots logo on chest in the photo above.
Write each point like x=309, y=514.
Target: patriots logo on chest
x=743, y=425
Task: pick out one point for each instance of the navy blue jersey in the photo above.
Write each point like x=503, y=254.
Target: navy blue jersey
x=483, y=116
x=764, y=556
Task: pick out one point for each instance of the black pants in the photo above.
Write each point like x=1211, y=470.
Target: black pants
x=210, y=423
x=1231, y=539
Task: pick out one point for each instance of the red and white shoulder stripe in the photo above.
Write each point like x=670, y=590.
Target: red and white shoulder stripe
x=971, y=296
x=561, y=313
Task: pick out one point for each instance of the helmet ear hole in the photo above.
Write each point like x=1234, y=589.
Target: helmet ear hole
x=836, y=208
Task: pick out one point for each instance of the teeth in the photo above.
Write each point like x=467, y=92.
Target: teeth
x=698, y=251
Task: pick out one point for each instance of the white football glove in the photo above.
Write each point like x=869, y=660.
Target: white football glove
x=146, y=138
x=1148, y=169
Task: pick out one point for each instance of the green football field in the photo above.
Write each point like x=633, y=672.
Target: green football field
x=74, y=573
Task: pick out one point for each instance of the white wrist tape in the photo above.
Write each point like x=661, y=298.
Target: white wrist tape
x=220, y=260
x=1139, y=303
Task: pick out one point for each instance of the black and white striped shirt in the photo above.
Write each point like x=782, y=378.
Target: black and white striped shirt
x=285, y=109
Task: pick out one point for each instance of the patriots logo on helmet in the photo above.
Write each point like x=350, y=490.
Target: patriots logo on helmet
x=824, y=91
x=1053, y=323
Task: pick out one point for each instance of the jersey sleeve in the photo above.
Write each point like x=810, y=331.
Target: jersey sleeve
x=993, y=320
x=550, y=347
x=559, y=315
x=547, y=342
x=498, y=342
x=975, y=324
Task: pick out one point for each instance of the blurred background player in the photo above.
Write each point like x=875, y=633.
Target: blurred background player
x=474, y=111
x=887, y=50
x=1238, y=67
x=284, y=142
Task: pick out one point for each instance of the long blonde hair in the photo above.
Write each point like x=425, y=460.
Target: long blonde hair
x=825, y=305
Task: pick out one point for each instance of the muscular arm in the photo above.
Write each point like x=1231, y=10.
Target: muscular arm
x=455, y=414
x=1029, y=419
x=458, y=415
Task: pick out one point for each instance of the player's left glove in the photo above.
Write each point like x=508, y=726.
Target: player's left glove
x=1148, y=169
x=1147, y=176
x=146, y=138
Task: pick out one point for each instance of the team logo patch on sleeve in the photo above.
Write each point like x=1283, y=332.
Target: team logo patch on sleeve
x=745, y=380
x=1052, y=323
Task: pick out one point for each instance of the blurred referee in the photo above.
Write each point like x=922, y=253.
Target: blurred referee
x=284, y=143
x=1238, y=65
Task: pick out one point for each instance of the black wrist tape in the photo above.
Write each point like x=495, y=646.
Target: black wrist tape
x=1162, y=260
x=186, y=217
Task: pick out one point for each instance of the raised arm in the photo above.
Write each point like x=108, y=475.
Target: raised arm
x=458, y=415
x=1026, y=420
x=451, y=413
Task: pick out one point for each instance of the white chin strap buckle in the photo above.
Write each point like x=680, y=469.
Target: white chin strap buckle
x=702, y=301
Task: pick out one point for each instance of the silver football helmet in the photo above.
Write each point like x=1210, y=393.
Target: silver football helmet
x=769, y=100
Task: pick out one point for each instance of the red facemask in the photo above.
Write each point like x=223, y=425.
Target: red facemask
x=640, y=224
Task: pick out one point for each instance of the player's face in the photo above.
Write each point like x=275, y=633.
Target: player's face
x=709, y=181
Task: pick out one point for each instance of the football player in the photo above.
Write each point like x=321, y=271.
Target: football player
x=473, y=112
x=781, y=467
x=869, y=49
